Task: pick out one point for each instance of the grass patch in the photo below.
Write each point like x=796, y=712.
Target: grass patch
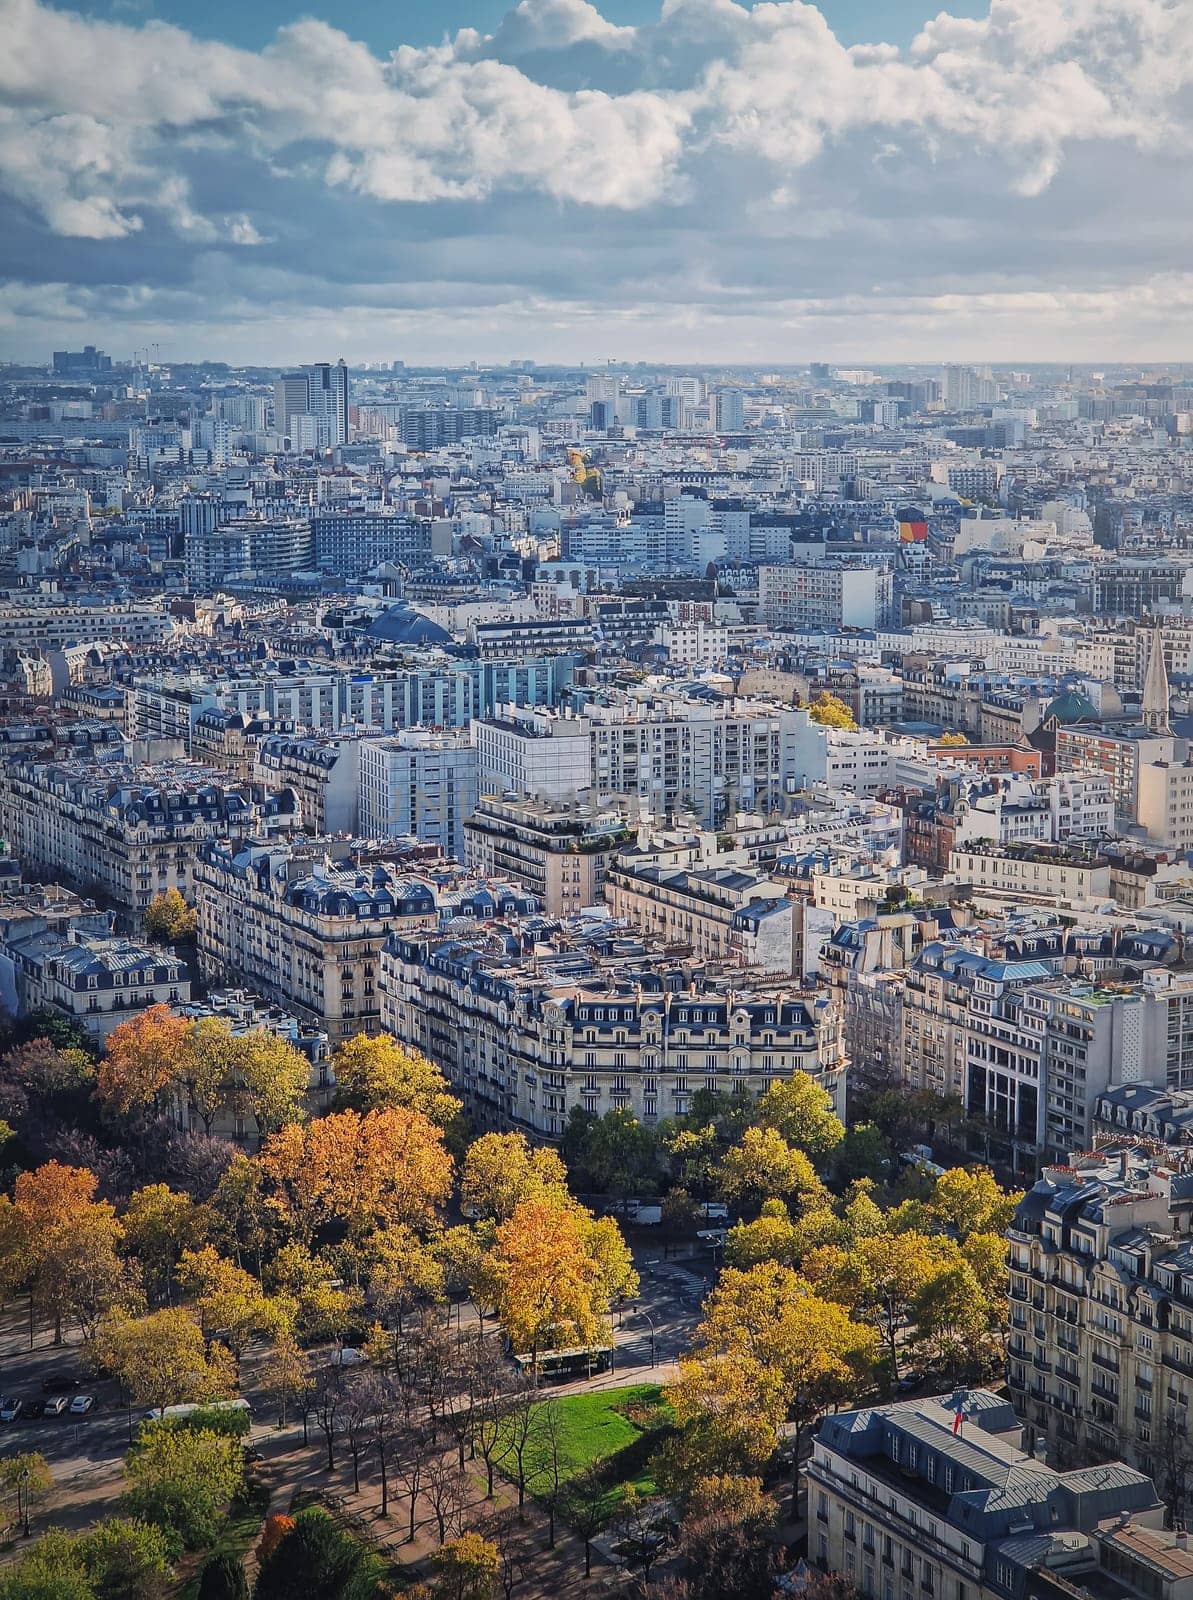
x=238, y=1534
x=615, y=1430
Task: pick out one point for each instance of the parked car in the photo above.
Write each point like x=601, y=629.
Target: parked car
x=81, y=1405
x=33, y=1409
x=347, y=1357
x=56, y=1405
x=60, y=1383
x=10, y=1410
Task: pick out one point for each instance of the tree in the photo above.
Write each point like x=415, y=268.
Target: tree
x=863, y=1153
x=884, y=1276
x=227, y=1299
x=303, y=1284
x=184, y=1480
x=445, y=1489
x=404, y=1272
x=379, y=1169
x=169, y=919
x=805, y=1353
x=144, y=1058
x=61, y=1242
x=125, y=1559
x=284, y=1373
x=163, y=1359
x=501, y=1170
x=376, y=1071
x=327, y=1399
x=772, y=1237
x=159, y=1224
x=467, y=1568
x=830, y=711
x=277, y=1526
x=642, y=1529
x=967, y=1200
x=28, y=1478
x=952, y=739
x=619, y=1154
x=727, y=1539
x=549, y=1432
x=543, y=1278
x=589, y=1509
x=222, y=1578
x=799, y=1109
x=269, y=1080
x=507, y=1535
x=951, y=1316
x=206, y=1066
x=51, y=1570
x=314, y=1559
x=765, y=1165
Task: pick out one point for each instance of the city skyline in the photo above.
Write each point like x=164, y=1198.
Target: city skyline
x=699, y=183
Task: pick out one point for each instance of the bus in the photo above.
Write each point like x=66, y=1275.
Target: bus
x=182, y=1412
x=565, y=1366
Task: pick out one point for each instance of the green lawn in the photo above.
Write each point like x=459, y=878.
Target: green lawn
x=595, y=1431
x=239, y=1533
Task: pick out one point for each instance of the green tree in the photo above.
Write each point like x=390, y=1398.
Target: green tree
x=183, y=1481
x=803, y=1113
x=222, y=1578
x=125, y=1560
x=765, y=1166
x=163, y=1359
x=313, y=1560
x=619, y=1155
x=27, y=1477
x=51, y=1570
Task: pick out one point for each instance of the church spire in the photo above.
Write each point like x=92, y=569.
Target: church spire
x=1155, y=687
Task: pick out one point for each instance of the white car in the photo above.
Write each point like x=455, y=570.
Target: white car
x=56, y=1404
x=10, y=1410
x=347, y=1357
x=81, y=1405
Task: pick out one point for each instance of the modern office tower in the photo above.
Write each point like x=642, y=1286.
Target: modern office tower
x=730, y=411
x=249, y=547
x=320, y=393
x=82, y=363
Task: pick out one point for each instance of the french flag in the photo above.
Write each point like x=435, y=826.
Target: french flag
x=958, y=1419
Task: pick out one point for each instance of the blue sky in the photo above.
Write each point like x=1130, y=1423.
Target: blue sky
x=383, y=23
x=674, y=180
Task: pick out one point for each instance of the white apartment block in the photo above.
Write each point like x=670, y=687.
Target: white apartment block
x=1165, y=807
x=422, y=782
x=825, y=594
x=530, y=751
x=1031, y=871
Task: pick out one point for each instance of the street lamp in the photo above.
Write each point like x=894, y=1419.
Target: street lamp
x=649, y=1321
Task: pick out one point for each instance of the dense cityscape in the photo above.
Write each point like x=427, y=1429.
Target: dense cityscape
x=596, y=981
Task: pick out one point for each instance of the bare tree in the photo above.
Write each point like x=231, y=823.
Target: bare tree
x=358, y=1423
x=408, y=1453
x=507, y=1533
x=518, y=1429
x=491, y=1383
x=588, y=1509
x=328, y=1398
x=1174, y=1460
x=641, y=1532
x=548, y=1437
x=445, y=1489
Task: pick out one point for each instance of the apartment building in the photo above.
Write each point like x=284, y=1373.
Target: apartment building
x=600, y=1020
x=128, y=833
x=682, y=888
x=1119, y=754
x=1031, y=871
x=1101, y=1301
x=304, y=923
x=532, y=751
x=94, y=979
x=421, y=782
x=1015, y=810
x=939, y=1499
x=701, y=755
x=559, y=853
x=825, y=594
x=323, y=771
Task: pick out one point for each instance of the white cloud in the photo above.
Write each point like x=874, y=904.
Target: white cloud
x=710, y=160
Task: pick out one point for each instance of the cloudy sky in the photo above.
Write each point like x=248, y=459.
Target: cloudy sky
x=680, y=180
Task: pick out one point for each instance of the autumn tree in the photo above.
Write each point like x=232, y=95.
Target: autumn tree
x=830, y=711
x=727, y=1542
x=884, y=1277
x=544, y=1281
x=369, y=1171
x=763, y=1165
x=163, y=1359
x=501, y=1170
x=284, y=1373
x=467, y=1568
x=968, y=1200
x=802, y=1112
x=144, y=1058
x=159, y=1224
x=404, y=1272
x=27, y=1477
x=375, y=1071
x=62, y=1243
x=227, y=1300
x=168, y=918
x=269, y=1080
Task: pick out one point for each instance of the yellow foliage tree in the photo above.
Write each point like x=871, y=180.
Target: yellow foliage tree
x=169, y=918
x=376, y=1071
x=830, y=711
x=501, y=1170
x=542, y=1280
x=763, y=1165
x=164, y=1359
